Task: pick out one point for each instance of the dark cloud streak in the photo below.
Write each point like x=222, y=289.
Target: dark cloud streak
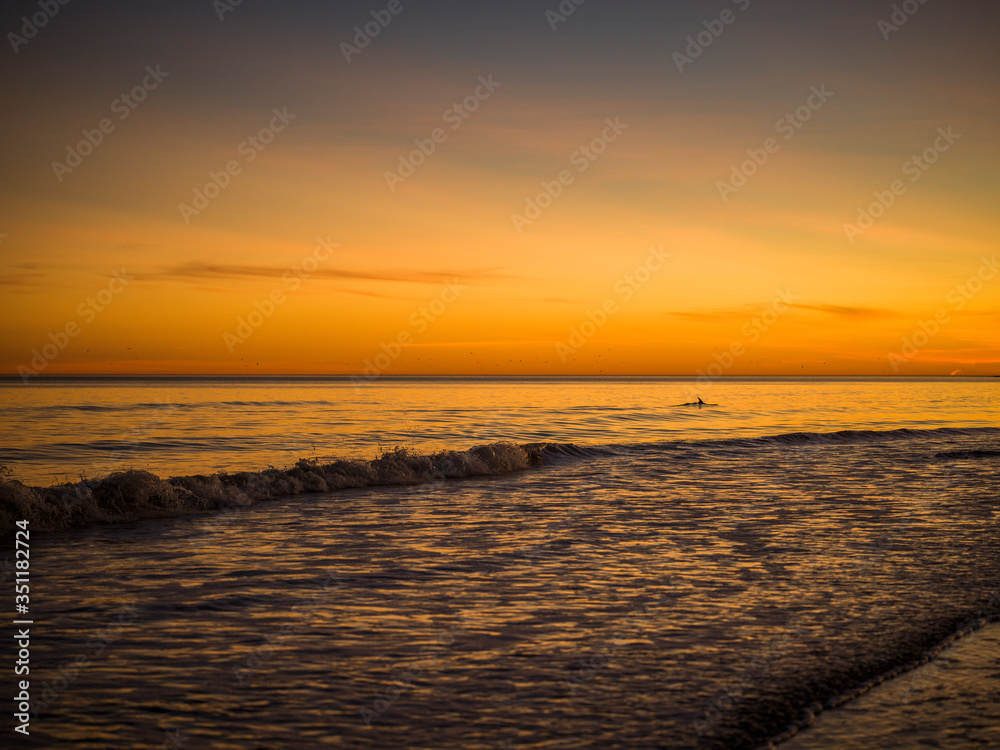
x=196, y=270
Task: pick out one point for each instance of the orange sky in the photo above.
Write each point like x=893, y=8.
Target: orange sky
x=308, y=262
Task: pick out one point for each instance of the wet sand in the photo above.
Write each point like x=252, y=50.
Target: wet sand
x=952, y=702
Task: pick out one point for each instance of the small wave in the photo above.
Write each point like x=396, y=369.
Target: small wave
x=570, y=450
x=170, y=406
x=842, y=437
x=46, y=408
x=969, y=454
x=135, y=494
x=267, y=403
x=793, y=440
x=809, y=713
x=986, y=614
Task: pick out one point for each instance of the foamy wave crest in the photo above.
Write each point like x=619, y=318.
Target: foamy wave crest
x=133, y=495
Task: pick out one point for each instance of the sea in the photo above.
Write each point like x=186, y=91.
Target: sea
x=453, y=563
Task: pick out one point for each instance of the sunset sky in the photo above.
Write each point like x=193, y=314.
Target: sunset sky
x=332, y=236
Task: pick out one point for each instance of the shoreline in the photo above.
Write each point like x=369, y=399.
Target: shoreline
x=951, y=701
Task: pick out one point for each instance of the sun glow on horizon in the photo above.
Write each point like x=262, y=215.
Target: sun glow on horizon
x=481, y=202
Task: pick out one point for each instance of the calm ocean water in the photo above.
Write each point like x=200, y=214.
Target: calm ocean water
x=60, y=431
x=606, y=569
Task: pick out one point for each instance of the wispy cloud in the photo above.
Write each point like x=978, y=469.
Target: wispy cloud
x=28, y=277
x=722, y=314
x=843, y=311
x=325, y=290
x=706, y=316
x=966, y=356
x=196, y=270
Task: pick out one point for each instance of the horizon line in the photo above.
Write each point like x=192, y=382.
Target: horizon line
x=480, y=376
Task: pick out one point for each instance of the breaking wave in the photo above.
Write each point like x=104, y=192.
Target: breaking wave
x=135, y=494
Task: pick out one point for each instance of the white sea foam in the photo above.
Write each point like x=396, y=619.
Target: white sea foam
x=134, y=494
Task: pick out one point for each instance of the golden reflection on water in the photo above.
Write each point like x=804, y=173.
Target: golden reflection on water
x=617, y=598
x=58, y=431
